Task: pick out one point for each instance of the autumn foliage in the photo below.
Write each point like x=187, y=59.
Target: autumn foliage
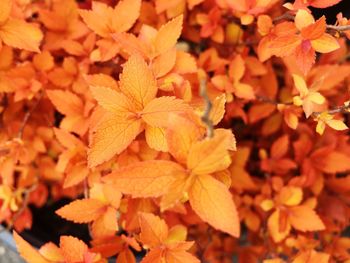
x=181, y=131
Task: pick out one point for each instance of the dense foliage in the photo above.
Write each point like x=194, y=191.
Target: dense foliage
x=184, y=130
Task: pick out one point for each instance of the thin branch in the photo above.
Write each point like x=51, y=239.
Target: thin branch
x=345, y=109
x=285, y=16
x=271, y=101
x=23, y=205
x=339, y=28
x=27, y=116
x=86, y=196
x=208, y=106
x=289, y=16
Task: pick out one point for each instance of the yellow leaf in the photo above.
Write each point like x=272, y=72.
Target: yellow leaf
x=303, y=18
x=337, y=125
x=112, y=136
x=20, y=34
x=167, y=35
x=213, y=202
x=137, y=82
x=300, y=85
x=177, y=233
x=325, y=44
x=145, y=179
x=30, y=254
x=291, y=195
x=316, y=97
x=273, y=224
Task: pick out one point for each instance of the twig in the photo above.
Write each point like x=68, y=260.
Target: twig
x=271, y=101
x=86, y=196
x=289, y=16
x=339, y=28
x=208, y=106
x=23, y=205
x=27, y=116
x=345, y=109
x=285, y=16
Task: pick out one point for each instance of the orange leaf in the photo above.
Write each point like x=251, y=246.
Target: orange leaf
x=162, y=64
x=213, y=202
x=51, y=252
x=104, y=20
x=125, y=15
x=144, y=179
x=30, y=254
x=66, y=102
x=154, y=231
x=304, y=218
x=111, y=137
x=82, y=210
x=280, y=147
x=5, y=10
x=137, y=81
x=311, y=256
x=273, y=224
x=112, y=100
x=211, y=155
x=323, y=3
x=20, y=34
x=334, y=162
x=315, y=30
x=167, y=35
x=180, y=256
x=154, y=256
x=73, y=249
x=156, y=139
x=180, y=136
x=156, y=113
x=76, y=175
